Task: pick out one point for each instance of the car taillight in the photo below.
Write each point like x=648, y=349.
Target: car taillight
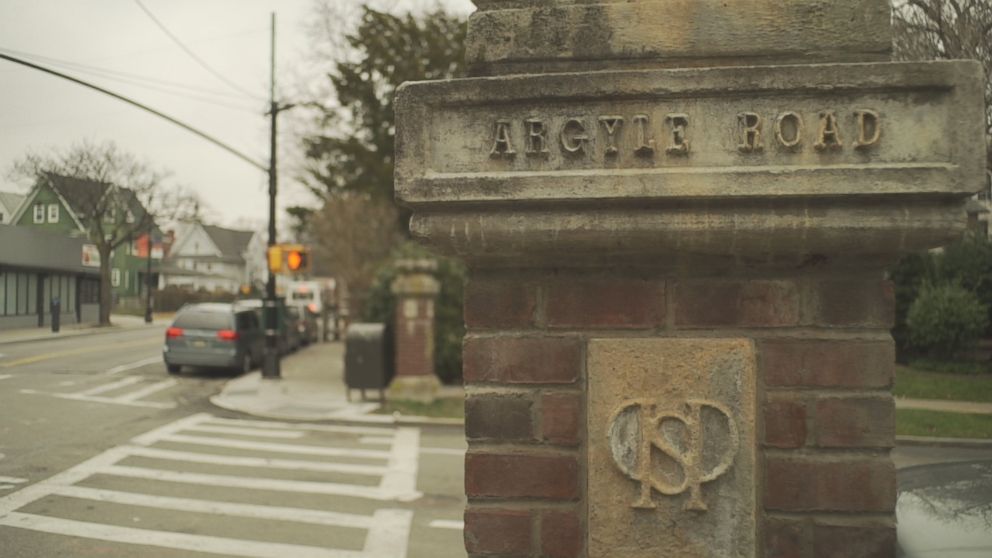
x=173, y=332
x=227, y=335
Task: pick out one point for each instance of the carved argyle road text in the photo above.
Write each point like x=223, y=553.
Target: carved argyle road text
x=636, y=430
x=787, y=131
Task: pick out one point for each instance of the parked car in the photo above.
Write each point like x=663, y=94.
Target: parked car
x=294, y=327
x=289, y=337
x=215, y=335
x=945, y=510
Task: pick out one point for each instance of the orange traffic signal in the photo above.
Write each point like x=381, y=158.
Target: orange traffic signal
x=295, y=260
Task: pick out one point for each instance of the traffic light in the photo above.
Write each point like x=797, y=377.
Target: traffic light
x=293, y=259
x=297, y=259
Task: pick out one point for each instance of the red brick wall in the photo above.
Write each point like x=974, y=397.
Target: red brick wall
x=414, y=336
x=826, y=482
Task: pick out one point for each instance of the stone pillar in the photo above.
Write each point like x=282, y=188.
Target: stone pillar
x=677, y=217
x=415, y=289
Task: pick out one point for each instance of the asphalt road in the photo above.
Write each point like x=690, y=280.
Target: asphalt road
x=102, y=453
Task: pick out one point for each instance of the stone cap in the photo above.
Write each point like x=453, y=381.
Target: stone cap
x=543, y=36
x=763, y=163
x=415, y=278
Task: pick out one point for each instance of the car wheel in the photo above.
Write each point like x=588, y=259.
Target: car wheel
x=173, y=368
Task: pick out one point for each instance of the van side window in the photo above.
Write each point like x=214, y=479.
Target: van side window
x=247, y=320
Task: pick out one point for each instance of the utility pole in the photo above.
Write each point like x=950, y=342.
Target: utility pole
x=270, y=366
x=148, y=274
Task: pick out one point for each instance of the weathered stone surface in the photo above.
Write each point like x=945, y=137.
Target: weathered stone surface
x=928, y=120
x=859, y=159
x=701, y=395
x=567, y=35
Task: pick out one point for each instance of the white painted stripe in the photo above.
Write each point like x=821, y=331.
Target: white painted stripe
x=6, y=486
x=280, y=448
x=248, y=431
x=47, y=487
x=146, y=391
x=402, y=476
x=110, y=386
x=262, y=462
x=300, y=515
x=376, y=440
x=443, y=451
x=133, y=365
x=152, y=436
x=303, y=426
x=447, y=524
x=12, y=480
x=165, y=539
x=390, y=535
x=254, y=483
x=111, y=400
x=5, y=376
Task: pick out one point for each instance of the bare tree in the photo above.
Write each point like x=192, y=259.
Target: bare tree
x=115, y=196
x=355, y=233
x=947, y=29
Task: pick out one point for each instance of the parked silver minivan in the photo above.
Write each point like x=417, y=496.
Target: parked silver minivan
x=215, y=335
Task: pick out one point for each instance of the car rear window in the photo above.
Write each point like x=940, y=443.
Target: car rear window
x=203, y=320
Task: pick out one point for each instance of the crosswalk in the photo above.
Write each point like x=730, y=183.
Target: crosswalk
x=131, y=391
x=264, y=467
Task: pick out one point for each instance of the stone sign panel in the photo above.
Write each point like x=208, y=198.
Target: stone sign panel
x=671, y=426
x=805, y=131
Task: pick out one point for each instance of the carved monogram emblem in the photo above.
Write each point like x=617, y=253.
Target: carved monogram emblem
x=641, y=427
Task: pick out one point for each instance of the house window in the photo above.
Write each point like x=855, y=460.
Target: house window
x=53, y=213
x=115, y=277
x=39, y=213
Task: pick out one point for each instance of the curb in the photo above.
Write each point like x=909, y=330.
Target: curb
x=85, y=333
x=975, y=443
x=365, y=420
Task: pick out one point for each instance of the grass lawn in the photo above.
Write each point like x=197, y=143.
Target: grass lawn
x=918, y=384
x=912, y=422
x=441, y=408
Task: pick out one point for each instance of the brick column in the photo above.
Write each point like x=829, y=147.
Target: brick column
x=415, y=289
x=678, y=323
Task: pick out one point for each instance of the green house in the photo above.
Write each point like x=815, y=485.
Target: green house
x=57, y=204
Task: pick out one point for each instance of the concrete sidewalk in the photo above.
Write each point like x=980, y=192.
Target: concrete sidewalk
x=311, y=388
x=118, y=322
x=968, y=407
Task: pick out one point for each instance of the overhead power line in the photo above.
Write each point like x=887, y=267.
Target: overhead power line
x=81, y=67
x=136, y=81
x=142, y=106
x=192, y=54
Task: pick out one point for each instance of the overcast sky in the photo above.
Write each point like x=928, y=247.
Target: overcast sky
x=115, y=44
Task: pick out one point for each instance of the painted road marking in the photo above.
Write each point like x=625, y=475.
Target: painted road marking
x=447, y=524
x=317, y=517
x=84, y=350
x=6, y=483
x=378, y=430
x=12, y=480
x=111, y=386
x=279, y=448
x=260, y=462
x=5, y=376
x=168, y=539
x=132, y=399
x=253, y=483
x=249, y=431
x=133, y=365
x=388, y=530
